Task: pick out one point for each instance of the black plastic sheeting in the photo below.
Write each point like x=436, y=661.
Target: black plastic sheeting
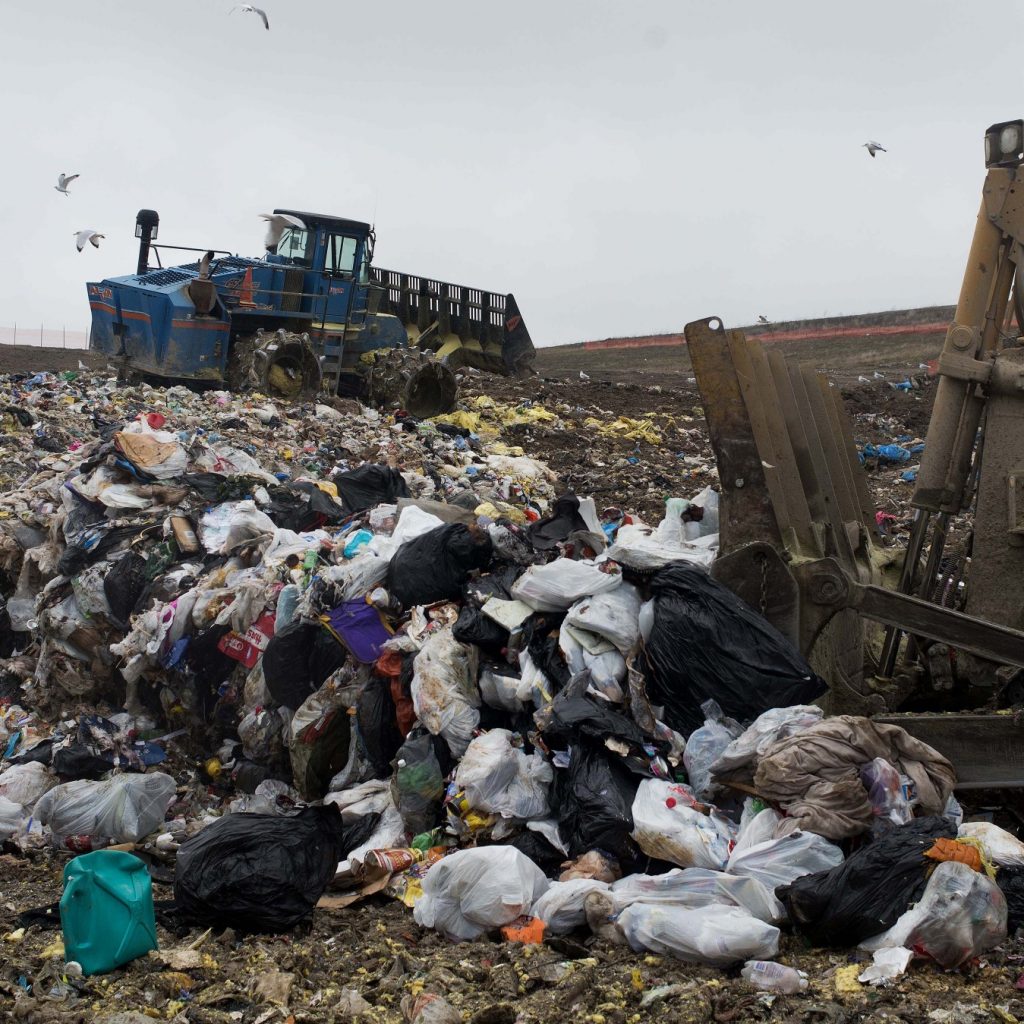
x=436, y=565
x=263, y=872
x=866, y=894
x=708, y=643
x=298, y=660
x=556, y=527
x=368, y=486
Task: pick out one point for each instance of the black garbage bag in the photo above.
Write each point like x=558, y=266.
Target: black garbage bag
x=563, y=520
x=298, y=660
x=302, y=506
x=1011, y=882
x=473, y=627
x=263, y=872
x=570, y=719
x=547, y=857
x=436, y=565
x=368, y=486
x=706, y=643
x=865, y=894
x=378, y=729
x=594, y=797
x=123, y=586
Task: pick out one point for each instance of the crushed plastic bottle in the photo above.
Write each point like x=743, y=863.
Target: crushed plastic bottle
x=772, y=977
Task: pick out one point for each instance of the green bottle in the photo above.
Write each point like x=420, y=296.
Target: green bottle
x=107, y=910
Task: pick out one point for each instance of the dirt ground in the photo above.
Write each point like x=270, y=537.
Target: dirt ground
x=375, y=947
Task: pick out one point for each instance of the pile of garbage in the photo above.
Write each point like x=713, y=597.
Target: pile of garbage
x=313, y=653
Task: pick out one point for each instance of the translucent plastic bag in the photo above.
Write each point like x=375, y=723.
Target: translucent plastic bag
x=1000, y=846
x=757, y=825
x=890, y=801
x=780, y=861
x=472, y=891
x=667, y=826
x=122, y=809
x=705, y=745
x=561, y=908
x=444, y=690
x=961, y=915
x=560, y=584
x=739, y=759
x=500, y=779
x=24, y=784
x=500, y=691
x=715, y=935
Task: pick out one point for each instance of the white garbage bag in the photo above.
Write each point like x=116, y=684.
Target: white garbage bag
x=558, y=585
x=614, y=616
x=699, y=887
x=472, y=891
x=501, y=692
x=715, y=935
x=643, y=548
x=588, y=652
x=371, y=797
x=666, y=825
x=444, y=691
x=500, y=779
x=561, y=908
x=24, y=784
x=389, y=833
x=705, y=745
x=781, y=861
x=757, y=825
x=123, y=809
x=961, y=915
x=1002, y=848
x=13, y=818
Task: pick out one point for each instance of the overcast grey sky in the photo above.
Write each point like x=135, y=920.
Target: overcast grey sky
x=622, y=167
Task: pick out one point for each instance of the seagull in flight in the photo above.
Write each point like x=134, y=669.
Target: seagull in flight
x=63, y=180
x=88, y=235
x=875, y=147
x=250, y=9
x=277, y=223
x=762, y=319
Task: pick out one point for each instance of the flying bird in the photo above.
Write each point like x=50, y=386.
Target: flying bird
x=250, y=9
x=88, y=235
x=875, y=147
x=762, y=319
x=277, y=224
x=63, y=180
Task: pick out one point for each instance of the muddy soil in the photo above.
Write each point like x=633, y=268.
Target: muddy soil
x=376, y=949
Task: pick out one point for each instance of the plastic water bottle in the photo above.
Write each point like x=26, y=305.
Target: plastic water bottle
x=772, y=977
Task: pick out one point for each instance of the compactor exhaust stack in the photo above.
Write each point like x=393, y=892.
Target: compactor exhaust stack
x=147, y=223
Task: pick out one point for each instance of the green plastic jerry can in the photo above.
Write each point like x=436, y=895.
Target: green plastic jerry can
x=107, y=910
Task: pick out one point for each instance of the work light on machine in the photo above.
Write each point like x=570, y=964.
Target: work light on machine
x=1004, y=144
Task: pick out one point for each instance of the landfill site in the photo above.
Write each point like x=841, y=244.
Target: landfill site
x=316, y=710
x=365, y=657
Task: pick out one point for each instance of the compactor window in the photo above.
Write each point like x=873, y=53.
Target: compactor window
x=295, y=245
x=341, y=255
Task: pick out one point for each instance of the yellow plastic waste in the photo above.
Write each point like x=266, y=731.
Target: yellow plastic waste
x=626, y=426
x=499, y=510
x=327, y=487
